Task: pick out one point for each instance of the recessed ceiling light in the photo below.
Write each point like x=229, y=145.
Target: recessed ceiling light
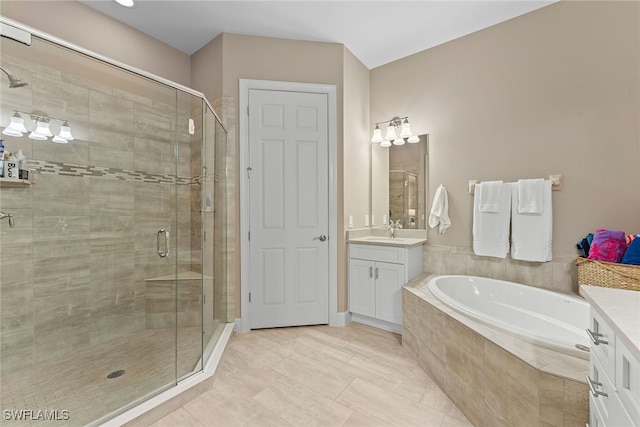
x=127, y=3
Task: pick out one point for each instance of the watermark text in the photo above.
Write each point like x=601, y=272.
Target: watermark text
x=36, y=415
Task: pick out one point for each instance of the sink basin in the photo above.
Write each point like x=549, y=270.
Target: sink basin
x=389, y=241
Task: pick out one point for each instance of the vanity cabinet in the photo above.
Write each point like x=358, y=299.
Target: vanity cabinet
x=377, y=274
x=614, y=376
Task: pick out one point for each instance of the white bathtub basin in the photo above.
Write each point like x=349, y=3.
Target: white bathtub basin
x=536, y=315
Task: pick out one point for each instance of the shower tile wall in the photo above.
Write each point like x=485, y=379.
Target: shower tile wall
x=74, y=267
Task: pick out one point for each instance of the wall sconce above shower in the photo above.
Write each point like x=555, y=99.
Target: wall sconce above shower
x=41, y=132
x=398, y=138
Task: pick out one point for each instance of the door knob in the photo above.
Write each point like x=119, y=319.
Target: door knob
x=321, y=237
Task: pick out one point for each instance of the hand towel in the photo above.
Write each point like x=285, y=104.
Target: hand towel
x=489, y=194
x=530, y=196
x=531, y=234
x=491, y=229
x=440, y=210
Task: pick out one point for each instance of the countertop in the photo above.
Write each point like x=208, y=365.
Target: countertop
x=621, y=309
x=388, y=241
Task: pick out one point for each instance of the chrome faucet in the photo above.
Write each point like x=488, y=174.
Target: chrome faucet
x=10, y=216
x=392, y=227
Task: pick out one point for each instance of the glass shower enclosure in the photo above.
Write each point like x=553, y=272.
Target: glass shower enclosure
x=113, y=242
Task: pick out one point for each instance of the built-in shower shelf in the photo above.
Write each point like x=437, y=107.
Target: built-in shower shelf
x=4, y=182
x=185, y=275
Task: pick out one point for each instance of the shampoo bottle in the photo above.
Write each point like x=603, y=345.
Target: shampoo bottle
x=11, y=166
x=22, y=165
x=1, y=159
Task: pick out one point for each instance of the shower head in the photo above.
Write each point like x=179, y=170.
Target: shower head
x=14, y=81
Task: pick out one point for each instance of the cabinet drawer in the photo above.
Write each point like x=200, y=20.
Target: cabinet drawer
x=627, y=380
x=595, y=419
x=608, y=405
x=602, y=384
x=392, y=254
x=604, y=351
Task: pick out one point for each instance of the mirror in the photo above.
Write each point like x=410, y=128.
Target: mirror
x=399, y=184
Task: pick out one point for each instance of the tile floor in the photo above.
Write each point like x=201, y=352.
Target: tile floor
x=318, y=376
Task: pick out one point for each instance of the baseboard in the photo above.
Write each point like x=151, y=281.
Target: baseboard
x=340, y=319
x=377, y=323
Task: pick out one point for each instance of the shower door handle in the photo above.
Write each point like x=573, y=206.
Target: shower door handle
x=163, y=247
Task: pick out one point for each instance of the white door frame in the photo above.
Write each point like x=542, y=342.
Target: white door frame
x=243, y=324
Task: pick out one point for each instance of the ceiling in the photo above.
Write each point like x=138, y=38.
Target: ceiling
x=376, y=32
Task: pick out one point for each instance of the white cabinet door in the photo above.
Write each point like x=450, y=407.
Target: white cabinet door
x=362, y=295
x=389, y=281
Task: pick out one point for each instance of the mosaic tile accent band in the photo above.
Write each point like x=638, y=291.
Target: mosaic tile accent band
x=69, y=169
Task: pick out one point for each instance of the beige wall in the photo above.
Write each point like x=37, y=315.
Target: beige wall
x=264, y=58
x=357, y=155
x=357, y=146
x=206, y=69
x=79, y=24
x=551, y=92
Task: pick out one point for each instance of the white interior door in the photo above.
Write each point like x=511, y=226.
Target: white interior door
x=289, y=216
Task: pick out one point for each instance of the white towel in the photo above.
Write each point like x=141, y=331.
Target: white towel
x=530, y=196
x=491, y=229
x=531, y=234
x=489, y=195
x=440, y=210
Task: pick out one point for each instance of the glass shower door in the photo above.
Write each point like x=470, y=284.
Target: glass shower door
x=88, y=289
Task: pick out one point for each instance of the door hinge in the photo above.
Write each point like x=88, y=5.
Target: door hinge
x=249, y=236
x=204, y=299
x=249, y=173
x=247, y=110
x=249, y=296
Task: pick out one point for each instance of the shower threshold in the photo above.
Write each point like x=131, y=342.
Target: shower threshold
x=159, y=405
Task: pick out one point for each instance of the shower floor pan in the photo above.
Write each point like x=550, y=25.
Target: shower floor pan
x=78, y=385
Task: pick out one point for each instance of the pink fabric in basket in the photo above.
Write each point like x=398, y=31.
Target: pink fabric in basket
x=608, y=245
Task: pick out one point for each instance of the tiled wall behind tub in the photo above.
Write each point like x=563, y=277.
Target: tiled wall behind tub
x=72, y=270
x=559, y=275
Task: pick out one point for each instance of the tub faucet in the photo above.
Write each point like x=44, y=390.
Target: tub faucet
x=10, y=216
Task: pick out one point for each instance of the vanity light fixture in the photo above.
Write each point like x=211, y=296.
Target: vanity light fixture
x=16, y=127
x=125, y=3
x=42, y=132
x=398, y=132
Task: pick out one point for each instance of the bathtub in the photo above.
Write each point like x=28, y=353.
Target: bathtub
x=550, y=319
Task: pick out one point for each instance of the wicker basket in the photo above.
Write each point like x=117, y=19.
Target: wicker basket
x=608, y=274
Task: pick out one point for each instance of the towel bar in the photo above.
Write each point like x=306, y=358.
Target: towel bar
x=556, y=183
